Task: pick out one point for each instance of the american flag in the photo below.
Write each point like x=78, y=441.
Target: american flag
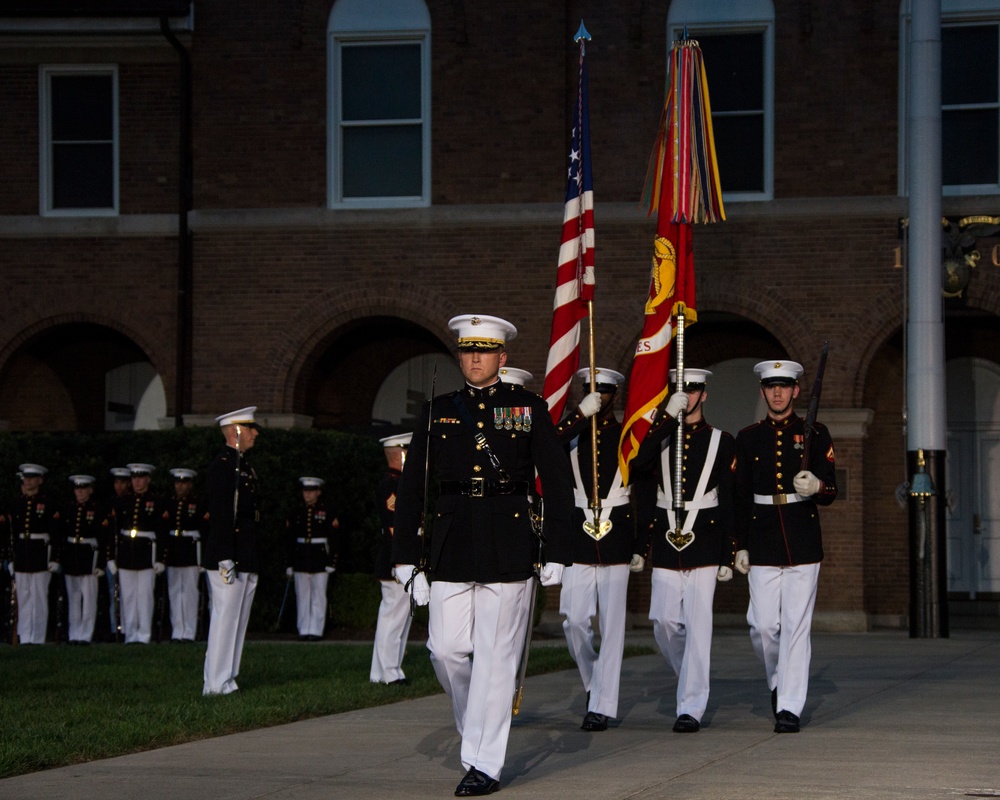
x=575, y=276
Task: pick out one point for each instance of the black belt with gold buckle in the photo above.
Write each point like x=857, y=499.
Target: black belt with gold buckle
x=481, y=487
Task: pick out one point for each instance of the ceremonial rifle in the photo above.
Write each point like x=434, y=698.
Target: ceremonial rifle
x=810, y=424
x=422, y=566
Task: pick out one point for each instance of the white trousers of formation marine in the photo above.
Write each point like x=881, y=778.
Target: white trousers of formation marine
x=391, y=631
x=81, y=597
x=135, y=587
x=680, y=608
x=310, y=602
x=231, y=604
x=780, y=617
x=589, y=590
x=32, y=606
x=475, y=635
x=182, y=589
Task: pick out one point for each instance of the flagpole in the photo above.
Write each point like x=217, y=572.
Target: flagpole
x=582, y=37
x=679, y=438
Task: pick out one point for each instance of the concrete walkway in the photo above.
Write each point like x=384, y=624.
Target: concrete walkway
x=887, y=717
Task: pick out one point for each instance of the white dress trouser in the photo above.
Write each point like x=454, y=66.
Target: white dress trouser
x=680, y=608
x=230, y=613
x=182, y=589
x=310, y=602
x=32, y=606
x=391, y=630
x=488, y=622
x=780, y=617
x=135, y=588
x=589, y=590
x=81, y=597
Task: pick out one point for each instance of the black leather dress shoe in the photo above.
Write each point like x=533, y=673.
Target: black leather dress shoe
x=593, y=721
x=686, y=724
x=787, y=722
x=476, y=783
x=774, y=703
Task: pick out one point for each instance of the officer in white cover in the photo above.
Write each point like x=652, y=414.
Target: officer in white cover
x=393, y=626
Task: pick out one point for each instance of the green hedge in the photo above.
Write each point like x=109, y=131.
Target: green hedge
x=352, y=466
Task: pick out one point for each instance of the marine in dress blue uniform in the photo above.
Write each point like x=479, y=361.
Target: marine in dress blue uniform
x=601, y=546
x=688, y=559
x=183, y=555
x=139, y=524
x=779, y=538
x=83, y=553
x=393, y=625
x=35, y=527
x=486, y=441
x=312, y=542
x=231, y=554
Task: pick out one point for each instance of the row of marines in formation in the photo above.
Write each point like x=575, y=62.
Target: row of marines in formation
x=150, y=550
x=748, y=504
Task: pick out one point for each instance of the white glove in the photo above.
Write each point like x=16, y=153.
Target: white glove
x=289, y=572
x=10, y=568
x=158, y=567
x=227, y=570
x=678, y=402
x=328, y=570
x=743, y=561
x=420, y=589
x=54, y=567
x=551, y=574
x=403, y=572
x=590, y=404
x=806, y=484
x=112, y=567
x=725, y=574
x=637, y=563
x=98, y=572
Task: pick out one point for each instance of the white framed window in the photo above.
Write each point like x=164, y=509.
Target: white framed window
x=379, y=104
x=737, y=40
x=78, y=110
x=970, y=96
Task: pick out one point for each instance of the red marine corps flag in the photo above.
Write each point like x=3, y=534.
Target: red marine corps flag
x=683, y=185
x=575, y=276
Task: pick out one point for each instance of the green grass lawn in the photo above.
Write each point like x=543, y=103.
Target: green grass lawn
x=65, y=705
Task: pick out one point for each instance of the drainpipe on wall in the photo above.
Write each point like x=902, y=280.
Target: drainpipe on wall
x=185, y=252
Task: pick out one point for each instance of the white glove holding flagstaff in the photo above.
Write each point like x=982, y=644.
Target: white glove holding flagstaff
x=725, y=574
x=551, y=574
x=677, y=403
x=637, y=563
x=590, y=404
x=112, y=567
x=418, y=589
x=227, y=571
x=743, y=561
x=806, y=484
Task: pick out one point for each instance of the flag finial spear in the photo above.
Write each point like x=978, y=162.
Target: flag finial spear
x=582, y=33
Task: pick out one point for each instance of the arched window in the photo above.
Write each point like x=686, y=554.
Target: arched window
x=970, y=95
x=378, y=55
x=737, y=40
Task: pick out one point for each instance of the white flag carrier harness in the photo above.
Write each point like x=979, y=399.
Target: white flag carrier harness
x=664, y=495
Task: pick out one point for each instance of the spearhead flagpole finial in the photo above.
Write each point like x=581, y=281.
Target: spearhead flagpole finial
x=582, y=33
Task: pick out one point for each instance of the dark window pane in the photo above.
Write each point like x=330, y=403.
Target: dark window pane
x=969, y=64
x=739, y=146
x=380, y=82
x=383, y=161
x=82, y=107
x=734, y=65
x=82, y=176
x=969, y=144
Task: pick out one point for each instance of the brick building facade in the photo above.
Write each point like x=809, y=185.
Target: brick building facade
x=304, y=302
